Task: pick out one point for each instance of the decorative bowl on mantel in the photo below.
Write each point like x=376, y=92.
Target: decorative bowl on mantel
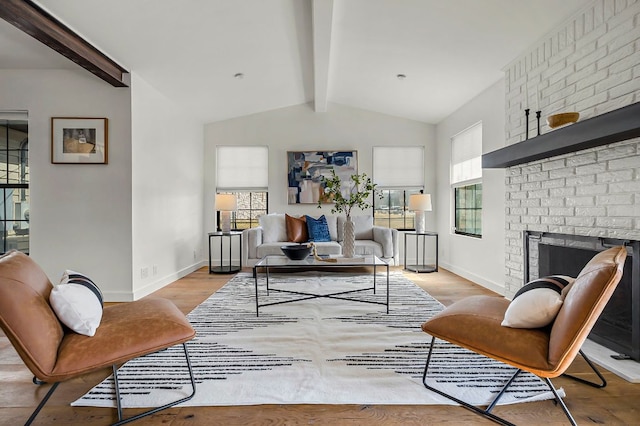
x=296, y=251
x=557, y=120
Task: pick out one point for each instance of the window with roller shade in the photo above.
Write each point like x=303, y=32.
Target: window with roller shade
x=466, y=181
x=244, y=171
x=398, y=172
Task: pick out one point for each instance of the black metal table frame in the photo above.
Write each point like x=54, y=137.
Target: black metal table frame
x=308, y=296
x=230, y=268
x=418, y=268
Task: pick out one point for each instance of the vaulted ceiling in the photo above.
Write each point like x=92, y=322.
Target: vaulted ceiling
x=290, y=52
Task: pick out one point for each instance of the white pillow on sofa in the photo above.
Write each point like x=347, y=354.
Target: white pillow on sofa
x=362, y=227
x=77, y=302
x=274, y=228
x=332, y=223
x=537, y=303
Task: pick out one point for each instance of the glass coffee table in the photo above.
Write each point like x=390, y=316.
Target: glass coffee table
x=275, y=262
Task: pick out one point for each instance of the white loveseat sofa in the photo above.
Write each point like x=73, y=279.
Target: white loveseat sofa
x=271, y=234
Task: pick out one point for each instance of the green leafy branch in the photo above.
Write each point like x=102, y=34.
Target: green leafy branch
x=361, y=189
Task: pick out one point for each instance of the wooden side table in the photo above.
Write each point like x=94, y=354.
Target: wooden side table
x=420, y=263
x=226, y=267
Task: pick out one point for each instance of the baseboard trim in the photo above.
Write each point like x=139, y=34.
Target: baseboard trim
x=153, y=286
x=498, y=288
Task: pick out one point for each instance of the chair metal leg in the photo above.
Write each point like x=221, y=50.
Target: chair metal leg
x=118, y=401
x=44, y=400
x=560, y=401
x=602, y=383
x=487, y=412
x=154, y=410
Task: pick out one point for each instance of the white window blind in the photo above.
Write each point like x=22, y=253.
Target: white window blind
x=242, y=167
x=398, y=166
x=466, y=155
x=14, y=115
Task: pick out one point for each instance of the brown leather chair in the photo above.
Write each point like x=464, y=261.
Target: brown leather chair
x=53, y=353
x=474, y=323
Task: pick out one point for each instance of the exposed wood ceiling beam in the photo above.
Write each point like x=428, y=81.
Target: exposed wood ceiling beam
x=322, y=24
x=36, y=22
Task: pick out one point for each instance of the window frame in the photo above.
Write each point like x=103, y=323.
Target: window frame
x=253, y=217
x=475, y=209
x=407, y=215
x=20, y=229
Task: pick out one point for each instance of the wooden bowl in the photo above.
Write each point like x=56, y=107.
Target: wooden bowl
x=557, y=120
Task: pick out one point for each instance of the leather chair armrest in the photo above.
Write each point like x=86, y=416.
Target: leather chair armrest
x=251, y=239
x=388, y=239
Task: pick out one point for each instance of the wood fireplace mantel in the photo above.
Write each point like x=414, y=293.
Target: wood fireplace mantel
x=604, y=129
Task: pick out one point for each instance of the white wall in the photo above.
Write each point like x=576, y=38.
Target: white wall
x=80, y=215
x=167, y=190
x=478, y=259
x=299, y=128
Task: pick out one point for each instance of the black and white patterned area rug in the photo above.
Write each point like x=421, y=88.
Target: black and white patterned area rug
x=318, y=351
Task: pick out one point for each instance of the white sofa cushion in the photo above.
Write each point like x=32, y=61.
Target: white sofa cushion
x=368, y=248
x=274, y=227
x=330, y=247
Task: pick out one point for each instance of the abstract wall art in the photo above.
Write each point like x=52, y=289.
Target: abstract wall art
x=306, y=168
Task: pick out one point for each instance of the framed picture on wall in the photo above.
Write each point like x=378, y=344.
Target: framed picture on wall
x=76, y=140
x=306, y=168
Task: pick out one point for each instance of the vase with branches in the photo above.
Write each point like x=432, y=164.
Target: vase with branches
x=346, y=195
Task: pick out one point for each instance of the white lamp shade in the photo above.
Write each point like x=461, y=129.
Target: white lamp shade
x=420, y=202
x=226, y=202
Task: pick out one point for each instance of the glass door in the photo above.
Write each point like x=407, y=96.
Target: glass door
x=14, y=181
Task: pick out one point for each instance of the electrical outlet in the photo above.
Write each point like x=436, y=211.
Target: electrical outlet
x=194, y=254
x=144, y=272
x=155, y=270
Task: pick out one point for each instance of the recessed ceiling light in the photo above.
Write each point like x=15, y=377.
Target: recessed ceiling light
x=401, y=76
x=238, y=75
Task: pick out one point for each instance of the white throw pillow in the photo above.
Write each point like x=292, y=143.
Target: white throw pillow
x=537, y=303
x=332, y=223
x=77, y=302
x=363, y=227
x=274, y=228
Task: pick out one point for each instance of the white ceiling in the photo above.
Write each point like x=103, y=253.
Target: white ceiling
x=190, y=50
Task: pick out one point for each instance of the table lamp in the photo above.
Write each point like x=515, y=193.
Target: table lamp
x=420, y=203
x=225, y=204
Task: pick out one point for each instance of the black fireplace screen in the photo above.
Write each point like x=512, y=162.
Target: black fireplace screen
x=618, y=327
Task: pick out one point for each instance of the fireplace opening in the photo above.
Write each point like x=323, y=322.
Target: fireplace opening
x=618, y=327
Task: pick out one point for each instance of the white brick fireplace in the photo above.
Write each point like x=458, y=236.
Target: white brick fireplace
x=590, y=65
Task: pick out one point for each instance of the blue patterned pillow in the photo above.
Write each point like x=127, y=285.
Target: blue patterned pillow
x=318, y=229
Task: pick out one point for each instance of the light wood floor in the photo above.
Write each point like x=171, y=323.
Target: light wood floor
x=616, y=404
